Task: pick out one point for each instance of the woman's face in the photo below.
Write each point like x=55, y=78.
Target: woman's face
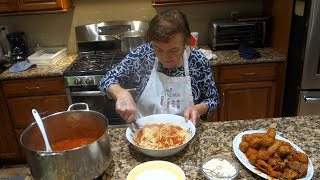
x=170, y=53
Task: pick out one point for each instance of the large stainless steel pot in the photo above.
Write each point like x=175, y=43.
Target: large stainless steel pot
x=130, y=40
x=86, y=162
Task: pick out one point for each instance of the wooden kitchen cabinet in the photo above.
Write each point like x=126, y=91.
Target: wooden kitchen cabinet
x=27, y=6
x=249, y=91
x=250, y=100
x=8, y=6
x=181, y=2
x=41, y=5
x=8, y=144
x=45, y=105
x=46, y=95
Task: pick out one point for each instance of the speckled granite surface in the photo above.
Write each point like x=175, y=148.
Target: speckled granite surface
x=226, y=57
x=210, y=139
x=229, y=57
x=55, y=69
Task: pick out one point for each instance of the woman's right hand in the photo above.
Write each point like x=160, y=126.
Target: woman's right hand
x=125, y=105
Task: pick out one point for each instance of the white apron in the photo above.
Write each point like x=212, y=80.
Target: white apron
x=164, y=94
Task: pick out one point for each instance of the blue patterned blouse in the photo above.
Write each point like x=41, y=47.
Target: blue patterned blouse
x=136, y=67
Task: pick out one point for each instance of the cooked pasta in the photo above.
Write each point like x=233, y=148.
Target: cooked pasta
x=161, y=136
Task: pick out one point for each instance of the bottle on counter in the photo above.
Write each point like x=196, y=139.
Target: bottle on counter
x=194, y=36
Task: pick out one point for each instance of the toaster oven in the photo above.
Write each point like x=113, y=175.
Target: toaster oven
x=227, y=34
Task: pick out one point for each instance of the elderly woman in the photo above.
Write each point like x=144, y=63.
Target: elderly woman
x=170, y=76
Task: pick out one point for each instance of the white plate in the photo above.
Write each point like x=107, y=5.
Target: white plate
x=243, y=159
x=156, y=170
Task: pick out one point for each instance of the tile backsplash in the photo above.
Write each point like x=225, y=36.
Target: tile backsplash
x=49, y=30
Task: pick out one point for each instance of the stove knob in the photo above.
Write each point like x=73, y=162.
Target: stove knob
x=89, y=81
x=77, y=81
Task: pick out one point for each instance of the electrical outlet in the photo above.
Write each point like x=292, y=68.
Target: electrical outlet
x=4, y=30
x=234, y=14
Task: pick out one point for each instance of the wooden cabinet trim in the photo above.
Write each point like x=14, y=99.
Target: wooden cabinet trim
x=247, y=73
x=18, y=133
x=216, y=74
x=280, y=88
x=34, y=87
x=8, y=144
x=29, y=5
x=43, y=5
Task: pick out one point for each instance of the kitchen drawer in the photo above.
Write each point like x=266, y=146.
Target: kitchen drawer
x=33, y=87
x=20, y=108
x=247, y=73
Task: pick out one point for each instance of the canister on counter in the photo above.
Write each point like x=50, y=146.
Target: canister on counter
x=194, y=39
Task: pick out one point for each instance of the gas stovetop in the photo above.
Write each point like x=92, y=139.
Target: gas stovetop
x=89, y=67
x=94, y=63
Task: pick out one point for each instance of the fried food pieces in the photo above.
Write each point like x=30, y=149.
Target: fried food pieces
x=276, y=158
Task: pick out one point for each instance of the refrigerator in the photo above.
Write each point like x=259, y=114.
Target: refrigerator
x=302, y=85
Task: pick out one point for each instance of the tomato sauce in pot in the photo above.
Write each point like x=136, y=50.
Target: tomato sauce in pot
x=71, y=144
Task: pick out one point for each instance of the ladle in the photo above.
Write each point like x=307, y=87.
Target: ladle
x=42, y=130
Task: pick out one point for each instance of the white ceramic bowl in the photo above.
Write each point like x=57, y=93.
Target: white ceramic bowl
x=162, y=119
x=217, y=177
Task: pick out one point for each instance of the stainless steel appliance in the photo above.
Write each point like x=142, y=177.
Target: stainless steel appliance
x=302, y=91
x=227, y=34
x=99, y=47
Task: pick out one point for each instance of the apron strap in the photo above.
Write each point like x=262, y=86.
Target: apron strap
x=185, y=63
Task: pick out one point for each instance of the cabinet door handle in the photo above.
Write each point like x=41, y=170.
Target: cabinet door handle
x=33, y=87
x=223, y=99
x=248, y=74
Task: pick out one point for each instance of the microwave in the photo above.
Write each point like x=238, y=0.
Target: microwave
x=228, y=34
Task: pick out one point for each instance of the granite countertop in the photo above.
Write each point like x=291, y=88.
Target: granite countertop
x=55, y=69
x=212, y=138
x=225, y=57
x=231, y=57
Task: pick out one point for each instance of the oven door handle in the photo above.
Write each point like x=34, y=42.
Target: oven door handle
x=312, y=99
x=87, y=93
x=97, y=93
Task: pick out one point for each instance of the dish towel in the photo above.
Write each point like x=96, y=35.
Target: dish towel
x=248, y=52
x=21, y=66
x=208, y=54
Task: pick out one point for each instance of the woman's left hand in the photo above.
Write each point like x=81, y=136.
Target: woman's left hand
x=192, y=113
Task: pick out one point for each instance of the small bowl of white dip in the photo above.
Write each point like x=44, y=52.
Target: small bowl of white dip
x=219, y=168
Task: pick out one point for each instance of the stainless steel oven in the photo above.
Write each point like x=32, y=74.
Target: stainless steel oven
x=97, y=101
x=98, y=53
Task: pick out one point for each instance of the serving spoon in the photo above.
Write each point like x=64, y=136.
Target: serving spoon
x=42, y=129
